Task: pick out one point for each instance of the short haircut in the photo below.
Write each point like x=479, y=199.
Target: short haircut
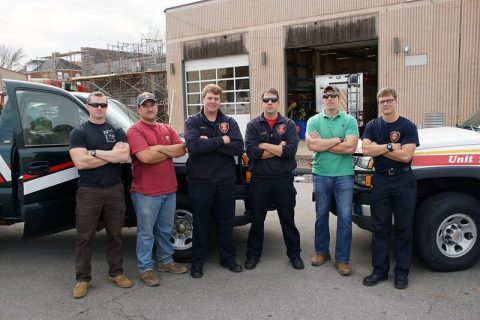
x=387, y=91
x=271, y=90
x=212, y=88
x=95, y=94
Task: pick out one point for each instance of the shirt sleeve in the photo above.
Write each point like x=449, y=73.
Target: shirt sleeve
x=121, y=136
x=410, y=134
x=290, y=149
x=368, y=132
x=352, y=127
x=174, y=138
x=77, y=139
x=136, y=140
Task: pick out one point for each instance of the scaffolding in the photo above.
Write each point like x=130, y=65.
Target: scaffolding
x=125, y=69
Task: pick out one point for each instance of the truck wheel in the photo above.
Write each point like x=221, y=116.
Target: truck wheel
x=447, y=231
x=182, y=234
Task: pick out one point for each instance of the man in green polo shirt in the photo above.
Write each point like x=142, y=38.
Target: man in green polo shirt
x=333, y=135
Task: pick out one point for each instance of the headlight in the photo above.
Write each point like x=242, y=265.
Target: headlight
x=365, y=162
x=363, y=171
x=362, y=179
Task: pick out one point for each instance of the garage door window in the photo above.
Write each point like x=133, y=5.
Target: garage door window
x=232, y=75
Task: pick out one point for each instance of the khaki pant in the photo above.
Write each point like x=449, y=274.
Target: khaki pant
x=91, y=203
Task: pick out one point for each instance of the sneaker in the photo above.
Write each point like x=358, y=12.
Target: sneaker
x=81, y=289
x=121, y=280
x=172, y=267
x=320, y=258
x=343, y=268
x=150, y=278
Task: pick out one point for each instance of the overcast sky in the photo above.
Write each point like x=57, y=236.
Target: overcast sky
x=41, y=27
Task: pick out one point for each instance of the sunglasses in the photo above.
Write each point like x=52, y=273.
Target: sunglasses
x=270, y=99
x=96, y=105
x=330, y=95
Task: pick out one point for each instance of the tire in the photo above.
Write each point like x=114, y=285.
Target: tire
x=182, y=232
x=447, y=232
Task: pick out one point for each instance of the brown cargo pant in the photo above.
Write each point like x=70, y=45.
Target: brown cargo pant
x=91, y=202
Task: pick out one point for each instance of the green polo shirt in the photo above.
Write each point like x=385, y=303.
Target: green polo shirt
x=327, y=163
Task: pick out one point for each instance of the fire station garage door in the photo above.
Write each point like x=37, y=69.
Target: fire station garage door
x=232, y=74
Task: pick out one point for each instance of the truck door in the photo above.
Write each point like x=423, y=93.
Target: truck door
x=46, y=177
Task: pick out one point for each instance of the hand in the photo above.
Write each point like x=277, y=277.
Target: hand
x=283, y=143
x=120, y=145
x=226, y=139
x=314, y=134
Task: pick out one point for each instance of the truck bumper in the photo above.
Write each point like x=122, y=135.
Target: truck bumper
x=361, y=214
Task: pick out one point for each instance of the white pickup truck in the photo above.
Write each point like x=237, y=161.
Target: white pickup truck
x=446, y=166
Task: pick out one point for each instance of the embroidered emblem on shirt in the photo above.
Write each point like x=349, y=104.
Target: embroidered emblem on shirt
x=394, y=136
x=224, y=127
x=109, y=135
x=281, y=129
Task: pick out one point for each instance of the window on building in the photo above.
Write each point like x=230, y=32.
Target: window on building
x=230, y=73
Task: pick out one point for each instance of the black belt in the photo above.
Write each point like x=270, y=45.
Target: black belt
x=393, y=171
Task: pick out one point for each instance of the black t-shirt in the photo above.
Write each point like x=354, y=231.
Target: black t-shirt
x=98, y=137
x=400, y=131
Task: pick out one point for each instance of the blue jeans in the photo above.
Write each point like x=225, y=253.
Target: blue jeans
x=155, y=215
x=342, y=189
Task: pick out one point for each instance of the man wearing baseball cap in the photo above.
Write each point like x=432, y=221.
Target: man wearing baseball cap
x=154, y=186
x=332, y=135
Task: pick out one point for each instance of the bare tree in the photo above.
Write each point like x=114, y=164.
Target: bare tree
x=10, y=57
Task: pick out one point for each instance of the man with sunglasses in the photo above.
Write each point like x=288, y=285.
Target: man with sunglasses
x=333, y=135
x=153, y=145
x=97, y=148
x=271, y=143
x=391, y=140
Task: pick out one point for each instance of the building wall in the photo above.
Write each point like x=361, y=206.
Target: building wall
x=10, y=74
x=446, y=31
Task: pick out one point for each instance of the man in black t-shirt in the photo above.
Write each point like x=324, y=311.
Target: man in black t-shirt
x=391, y=140
x=97, y=148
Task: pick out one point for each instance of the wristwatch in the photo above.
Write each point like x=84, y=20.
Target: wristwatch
x=93, y=153
x=389, y=147
x=342, y=139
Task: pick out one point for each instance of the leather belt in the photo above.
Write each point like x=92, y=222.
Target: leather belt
x=393, y=171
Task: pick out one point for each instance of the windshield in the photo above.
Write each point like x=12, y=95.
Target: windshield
x=118, y=113
x=472, y=123
x=121, y=113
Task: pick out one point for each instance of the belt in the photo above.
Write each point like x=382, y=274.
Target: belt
x=393, y=171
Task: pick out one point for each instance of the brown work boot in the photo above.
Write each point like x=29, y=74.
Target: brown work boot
x=320, y=258
x=121, y=280
x=343, y=268
x=81, y=289
x=172, y=267
x=150, y=278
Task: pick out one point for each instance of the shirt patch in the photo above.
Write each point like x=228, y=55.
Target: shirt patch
x=224, y=127
x=109, y=135
x=394, y=136
x=281, y=129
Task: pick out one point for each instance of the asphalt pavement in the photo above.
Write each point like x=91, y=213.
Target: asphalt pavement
x=37, y=278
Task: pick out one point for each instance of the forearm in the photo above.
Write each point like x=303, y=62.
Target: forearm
x=267, y=154
x=347, y=146
x=274, y=149
x=399, y=155
x=320, y=145
x=374, y=150
x=342, y=148
x=114, y=155
x=83, y=160
x=172, y=151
